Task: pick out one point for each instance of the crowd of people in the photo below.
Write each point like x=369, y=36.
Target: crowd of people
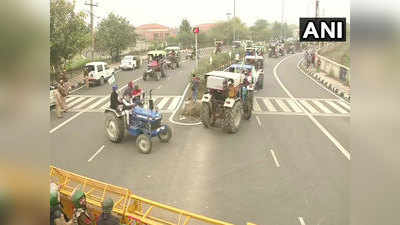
x=81, y=214
x=310, y=58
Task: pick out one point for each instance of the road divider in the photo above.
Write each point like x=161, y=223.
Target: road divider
x=301, y=220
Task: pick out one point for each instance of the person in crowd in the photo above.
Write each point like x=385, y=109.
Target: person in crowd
x=195, y=87
x=107, y=218
x=81, y=214
x=59, y=102
x=129, y=89
x=136, y=93
x=86, y=76
x=57, y=215
x=64, y=90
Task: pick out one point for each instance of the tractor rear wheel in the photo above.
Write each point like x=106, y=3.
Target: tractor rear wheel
x=205, y=115
x=232, y=118
x=114, y=127
x=163, y=71
x=144, y=76
x=158, y=76
x=143, y=142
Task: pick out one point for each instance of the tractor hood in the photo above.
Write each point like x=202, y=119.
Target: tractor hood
x=146, y=113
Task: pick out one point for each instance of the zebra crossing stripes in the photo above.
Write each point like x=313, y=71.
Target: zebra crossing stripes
x=97, y=103
x=288, y=106
x=269, y=105
x=294, y=106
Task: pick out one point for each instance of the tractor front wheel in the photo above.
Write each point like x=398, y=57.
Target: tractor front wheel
x=144, y=144
x=158, y=76
x=166, y=134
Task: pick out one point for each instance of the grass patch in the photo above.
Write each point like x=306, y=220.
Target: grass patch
x=339, y=53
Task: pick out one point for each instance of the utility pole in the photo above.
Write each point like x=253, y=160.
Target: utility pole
x=282, y=20
x=92, y=26
x=316, y=8
x=233, y=23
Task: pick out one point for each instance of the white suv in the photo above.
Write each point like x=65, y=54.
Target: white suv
x=98, y=72
x=129, y=62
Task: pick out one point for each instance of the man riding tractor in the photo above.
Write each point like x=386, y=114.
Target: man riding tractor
x=156, y=66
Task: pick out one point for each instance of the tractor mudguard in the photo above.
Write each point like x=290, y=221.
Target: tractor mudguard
x=117, y=114
x=229, y=102
x=206, y=98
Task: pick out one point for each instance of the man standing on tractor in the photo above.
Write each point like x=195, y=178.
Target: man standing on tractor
x=81, y=213
x=136, y=92
x=129, y=89
x=57, y=215
x=106, y=218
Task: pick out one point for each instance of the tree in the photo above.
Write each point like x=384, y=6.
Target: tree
x=260, y=30
x=185, y=35
x=115, y=34
x=185, y=27
x=69, y=34
x=224, y=30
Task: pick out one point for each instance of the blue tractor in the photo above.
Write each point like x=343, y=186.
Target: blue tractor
x=144, y=122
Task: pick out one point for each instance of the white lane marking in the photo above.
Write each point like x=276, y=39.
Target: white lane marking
x=92, y=106
x=70, y=98
x=164, y=101
x=258, y=121
x=85, y=110
x=301, y=221
x=98, y=151
x=159, y=87
x=336, y=107
x=302, y=114
x=344, y=105
x=65, y=122
x=282, y=105
x=316, y=82
x=69, y=105
x=177, y=108
x=294, y=106
x=322, y=107
x=91, y=99
x=275, y=159
x=322, y=128
x=269, y=105
x=308, y=106
x=174, y=103
x=256, y=106
x=76, y=89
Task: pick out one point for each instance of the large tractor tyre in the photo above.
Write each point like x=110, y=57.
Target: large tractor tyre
x=165, y=135
x=158, y=76
x=143, y=142
x=177, y=64
x=114, y=127
x=163, y=71
x=247, y=109
x=144, y=77
x=232, y=118
x=205, y=115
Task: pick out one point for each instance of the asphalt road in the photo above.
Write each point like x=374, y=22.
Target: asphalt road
x=280, y=168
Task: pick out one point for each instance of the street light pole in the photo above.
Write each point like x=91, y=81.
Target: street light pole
x=233, y=23
x=197, y=59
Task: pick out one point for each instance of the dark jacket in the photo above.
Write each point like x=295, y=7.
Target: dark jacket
x=107, y=219
x=114, y=102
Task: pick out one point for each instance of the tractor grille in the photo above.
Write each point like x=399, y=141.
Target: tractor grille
x=156, y=124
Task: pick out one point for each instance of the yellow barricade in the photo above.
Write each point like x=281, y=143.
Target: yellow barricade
x=130, y=208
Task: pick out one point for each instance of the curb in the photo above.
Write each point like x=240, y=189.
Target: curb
x=336, y=91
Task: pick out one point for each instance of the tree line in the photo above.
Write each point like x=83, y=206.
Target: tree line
x=70, y=35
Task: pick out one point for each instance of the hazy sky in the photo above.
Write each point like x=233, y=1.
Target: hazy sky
x=171, y=12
